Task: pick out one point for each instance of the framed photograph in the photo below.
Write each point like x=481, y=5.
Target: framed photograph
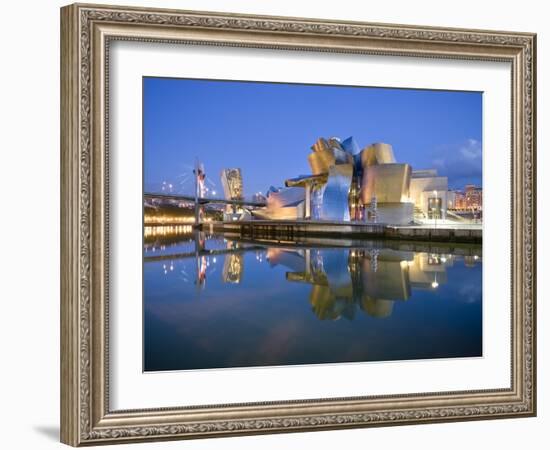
x=276, y=224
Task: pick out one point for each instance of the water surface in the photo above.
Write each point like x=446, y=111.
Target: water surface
x=213, y=302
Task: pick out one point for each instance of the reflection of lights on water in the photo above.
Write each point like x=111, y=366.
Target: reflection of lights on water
x=435, y=283
x=159, y=219
x=167, y=268
x=233, y=263
x=434, y=259
x=260, y=256
x=166, y=230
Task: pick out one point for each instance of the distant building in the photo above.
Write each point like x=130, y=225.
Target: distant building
x=460, y=200
x=451, y=199
x=474, y=196
x=471, y=199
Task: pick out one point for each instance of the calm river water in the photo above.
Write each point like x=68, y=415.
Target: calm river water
x=211, y=302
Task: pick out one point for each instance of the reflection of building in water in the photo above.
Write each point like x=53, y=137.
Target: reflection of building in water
x=470, y=261
x=233, y=268
x=345, y=281
x=202, y=265
x=429, y=270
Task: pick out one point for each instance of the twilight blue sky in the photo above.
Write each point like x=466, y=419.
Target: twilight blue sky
x=267, y=129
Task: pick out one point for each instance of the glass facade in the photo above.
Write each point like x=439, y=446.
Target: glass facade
x=435, y=208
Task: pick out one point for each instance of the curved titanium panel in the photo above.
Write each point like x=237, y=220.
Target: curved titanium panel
x=378, y=153
x=320, y=161
x=389, y=183
x=335, y=143
x=283, y=204
x=342, y=157
x=290, y=196
x=335, y=196
x=284, y=213
x=320, y=145
x=350, y=145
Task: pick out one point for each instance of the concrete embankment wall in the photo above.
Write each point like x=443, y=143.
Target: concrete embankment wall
x=290, y=230
x=435, y=234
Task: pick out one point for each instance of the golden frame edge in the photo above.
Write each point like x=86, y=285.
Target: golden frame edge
x=86, y=31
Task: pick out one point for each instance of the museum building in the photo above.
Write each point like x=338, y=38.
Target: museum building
x=350, y=184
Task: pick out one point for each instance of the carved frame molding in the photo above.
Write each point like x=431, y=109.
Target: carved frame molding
x=86, y=32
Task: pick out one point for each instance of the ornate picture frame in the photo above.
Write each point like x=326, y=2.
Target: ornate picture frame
x=87, y=32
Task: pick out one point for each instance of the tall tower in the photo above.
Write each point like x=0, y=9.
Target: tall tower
x=232, y=182
x=200, y=176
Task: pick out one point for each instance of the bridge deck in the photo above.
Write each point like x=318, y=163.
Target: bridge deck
x=202, y=200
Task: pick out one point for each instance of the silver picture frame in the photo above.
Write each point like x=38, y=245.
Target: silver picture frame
x=87, y=32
